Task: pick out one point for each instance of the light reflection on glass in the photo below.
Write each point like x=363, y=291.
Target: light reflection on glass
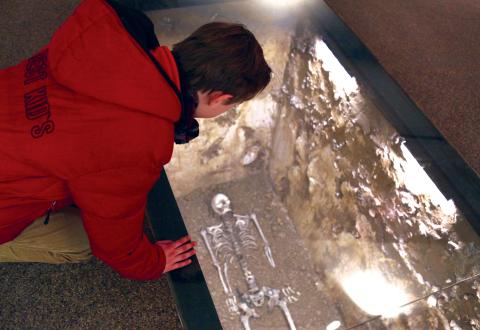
x=334, y=325
x=343, y=82
x=280, y=3
x=374, y=294
x=418, y=182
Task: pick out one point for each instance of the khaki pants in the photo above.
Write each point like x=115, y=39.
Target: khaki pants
x=62, y=240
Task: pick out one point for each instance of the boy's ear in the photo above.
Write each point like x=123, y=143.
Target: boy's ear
x=218, y=97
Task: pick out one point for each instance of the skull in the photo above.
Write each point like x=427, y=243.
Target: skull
x=221, y=204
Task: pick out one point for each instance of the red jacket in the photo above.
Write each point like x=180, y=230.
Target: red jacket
x=90, y=120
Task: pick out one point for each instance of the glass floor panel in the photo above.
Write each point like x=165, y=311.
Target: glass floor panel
x=334, y=221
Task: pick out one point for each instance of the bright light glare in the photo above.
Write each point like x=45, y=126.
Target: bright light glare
x=334, y=325
x=418, y=182
x=280, y=3
x=343, y=82
x=373, y=294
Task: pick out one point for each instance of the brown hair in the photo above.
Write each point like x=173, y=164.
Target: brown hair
x=223, y=57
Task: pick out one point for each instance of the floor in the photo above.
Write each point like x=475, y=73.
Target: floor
x=81, y=296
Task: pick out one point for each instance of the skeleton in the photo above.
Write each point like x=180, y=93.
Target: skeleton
x=231, y=239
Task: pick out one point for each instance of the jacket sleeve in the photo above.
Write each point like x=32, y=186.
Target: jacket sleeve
x=113, y=203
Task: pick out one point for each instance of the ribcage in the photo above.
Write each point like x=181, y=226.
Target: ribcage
x=247, y=241
x=222, y=245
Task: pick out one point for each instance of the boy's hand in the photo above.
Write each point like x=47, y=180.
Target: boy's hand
x=177, y=252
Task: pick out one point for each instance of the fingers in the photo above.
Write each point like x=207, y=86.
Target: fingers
x=182, y=256
x=178, y=252
x=185, y=247
x=181, y=264
x=182, y=240
x=176, y=265
x=179, y=261
x=185, y=255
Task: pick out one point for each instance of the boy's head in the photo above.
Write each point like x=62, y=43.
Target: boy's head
x=223, y=65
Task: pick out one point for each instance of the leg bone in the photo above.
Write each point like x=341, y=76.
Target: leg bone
x=275, y=300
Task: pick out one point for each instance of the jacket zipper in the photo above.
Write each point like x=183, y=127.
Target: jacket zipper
x=48, y=212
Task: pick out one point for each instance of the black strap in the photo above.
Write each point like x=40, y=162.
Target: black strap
x=142, y=30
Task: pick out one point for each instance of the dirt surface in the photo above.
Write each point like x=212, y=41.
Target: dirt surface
x=294, y=267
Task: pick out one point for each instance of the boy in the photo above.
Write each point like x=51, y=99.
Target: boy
x=91, y=119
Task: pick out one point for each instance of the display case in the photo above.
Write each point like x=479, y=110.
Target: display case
x=327, y=202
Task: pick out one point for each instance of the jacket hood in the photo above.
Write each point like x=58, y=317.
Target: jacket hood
x=93, y=54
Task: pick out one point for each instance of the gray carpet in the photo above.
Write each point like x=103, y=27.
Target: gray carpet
x=81, y=296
